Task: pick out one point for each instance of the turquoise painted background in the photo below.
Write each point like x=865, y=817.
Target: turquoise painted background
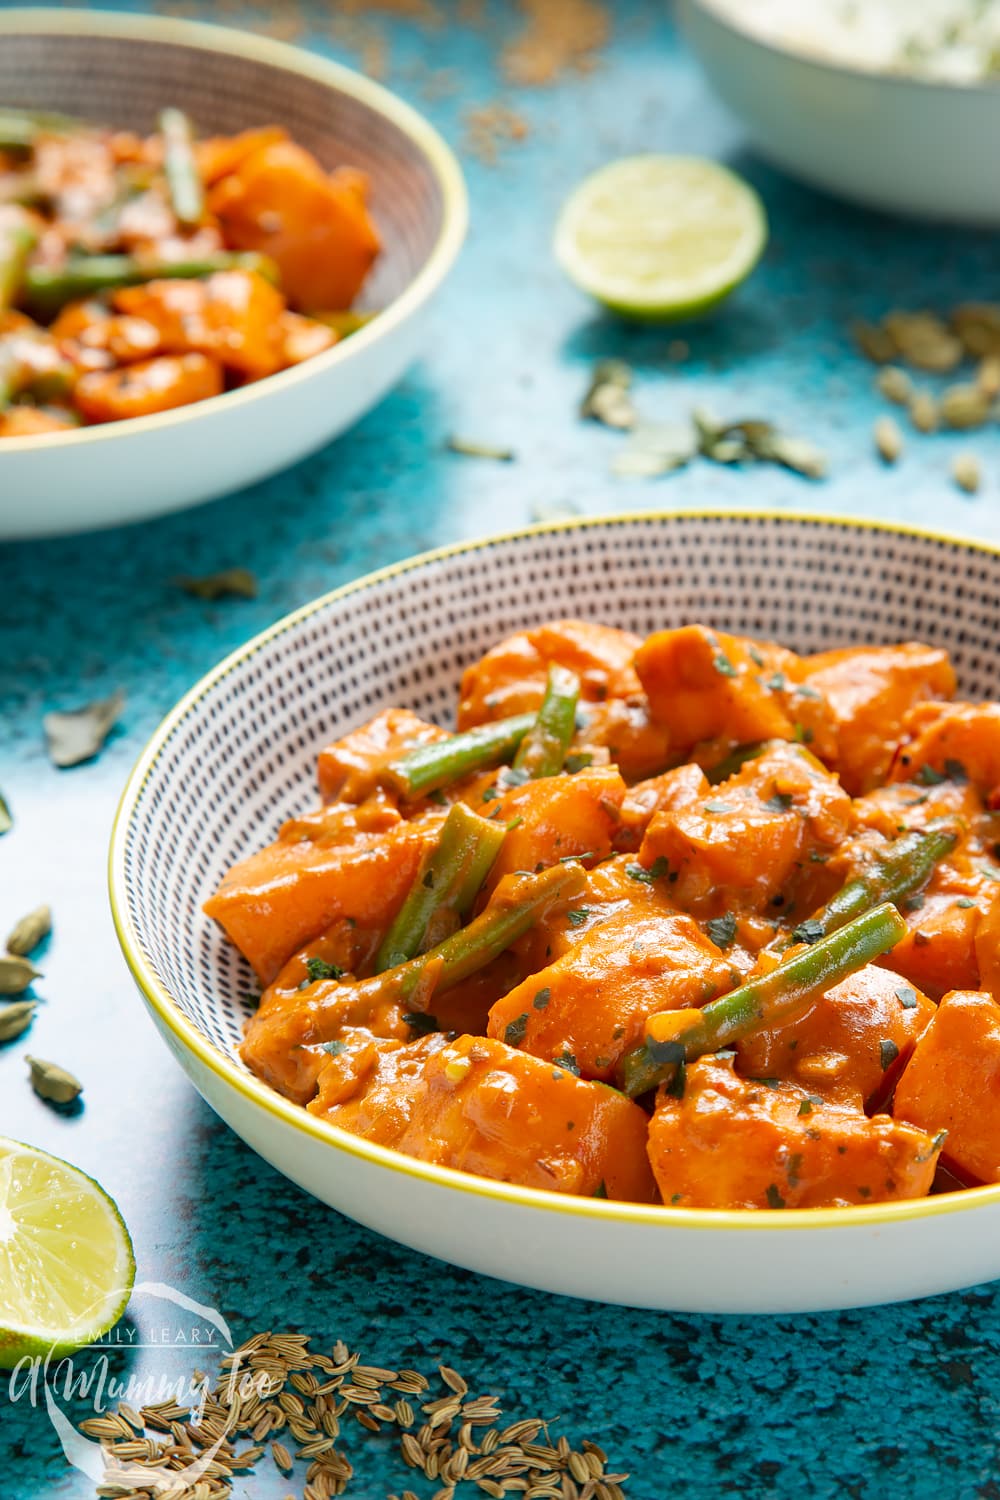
x=894, y=1402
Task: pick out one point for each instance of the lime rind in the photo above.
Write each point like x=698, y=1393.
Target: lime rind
x=67, y=1265
x=661, y=237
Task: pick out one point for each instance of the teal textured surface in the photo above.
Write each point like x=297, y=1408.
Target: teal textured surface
x=898, y=1401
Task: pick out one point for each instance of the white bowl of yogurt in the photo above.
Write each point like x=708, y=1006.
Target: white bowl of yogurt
x=891, y=103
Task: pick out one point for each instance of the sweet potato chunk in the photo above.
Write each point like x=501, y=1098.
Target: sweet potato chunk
x=706, y=685
x=486, y=1108
x=959, y=741
x=350, y=768
x=870, y=690
x=613, y=717
x=748, y=837
x=938, y=952
x=850, y=1045
x=274, y=901
x=315, y=227
x=952, y=1083
x=150, y=386
x=235, y=316
x=558, y=817
x=733, y=1143
x=588, y=1008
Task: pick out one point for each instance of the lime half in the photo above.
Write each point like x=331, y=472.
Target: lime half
x=661, y=237
x=66, y=1263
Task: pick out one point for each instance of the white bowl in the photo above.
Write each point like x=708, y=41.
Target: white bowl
x=123, y=70
x=237, y=756
x=910, y=145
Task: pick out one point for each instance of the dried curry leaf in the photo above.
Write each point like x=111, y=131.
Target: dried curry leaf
x=607, y=399
x=79, y=735
x=237, y=583
x=656, y=448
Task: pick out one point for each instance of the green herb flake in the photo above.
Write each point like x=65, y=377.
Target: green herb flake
x=927, y=776
x=907, y=998
x=335, y=1048
x=600, y=1190
x=542, y=999
x=319, y=969
x=514, y=1032
x=577, y=762
x=888, y=1052
x=676, y=1197
x=805, y=1107
x=567, y=1062
x=964, y=903
x=579, y=916
x=768, y=1083
x=422, y=1022
x=779, y=802
x=755, y=656
x=955, y=771
x=777, y=684
x=809, y=931
x=568, y=859
x=656, y=871
x=722, y=664
x=717, y=807
x=675, y=1086
x=774, y=1198
x=491, y=794
x=722, y=930
x=915, y=902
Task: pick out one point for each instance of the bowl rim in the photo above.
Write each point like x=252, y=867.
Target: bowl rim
x=186, y=1034
x=709, y=9
x=209, y=37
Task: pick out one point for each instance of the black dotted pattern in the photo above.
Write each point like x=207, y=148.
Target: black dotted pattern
x=125, y=83
x=242, y=759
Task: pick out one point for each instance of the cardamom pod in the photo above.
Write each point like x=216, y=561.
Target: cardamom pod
x=16, y=973
x=29, y=932
x=888, y=439
x=965, y=472
x=51, y=1082
x=15, y=1019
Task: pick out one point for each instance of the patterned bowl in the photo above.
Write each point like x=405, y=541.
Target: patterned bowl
x=122, y=70
x=237, y=756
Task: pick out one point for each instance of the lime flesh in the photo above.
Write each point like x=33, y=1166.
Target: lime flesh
x=661, y=237
x=66, y=1262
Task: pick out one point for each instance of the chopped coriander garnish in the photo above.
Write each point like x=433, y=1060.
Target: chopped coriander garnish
x=542, y=999
x=514, y=1032
x=579, y=916
x=334, y=1048
x=722, y=664
x=774, y=1198
x=421, y=1022
x=955, y=771
x=577, y=762
x=491, y=794
x=676, y=1085
x=717, y=807
x=656, y=871
x=964, y=902
x=888, y=1052
x=600, y=1190
x=779, y=802
x=722, y=930
x=907, y=997
x=809, y=931
x=319, y=969
x=567, y=1062
x=927, y=776
x=777, y=683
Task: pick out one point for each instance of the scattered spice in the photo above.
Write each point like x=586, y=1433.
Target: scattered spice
x=988, y=376
x=722, y=930
x=554, y=510
x=79, y=735
x=6, y=816
x=16, y=974
x=235, y=583
x=888, y=439
x=52, y=1083
x=30, y=931
x=472, y=449
x=655, y=448
x=607, y=399
x=276, y=1384
x=491, y=127
x=560, y=34
x=15, y=1019
x=965, y=472
x=924, y=340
